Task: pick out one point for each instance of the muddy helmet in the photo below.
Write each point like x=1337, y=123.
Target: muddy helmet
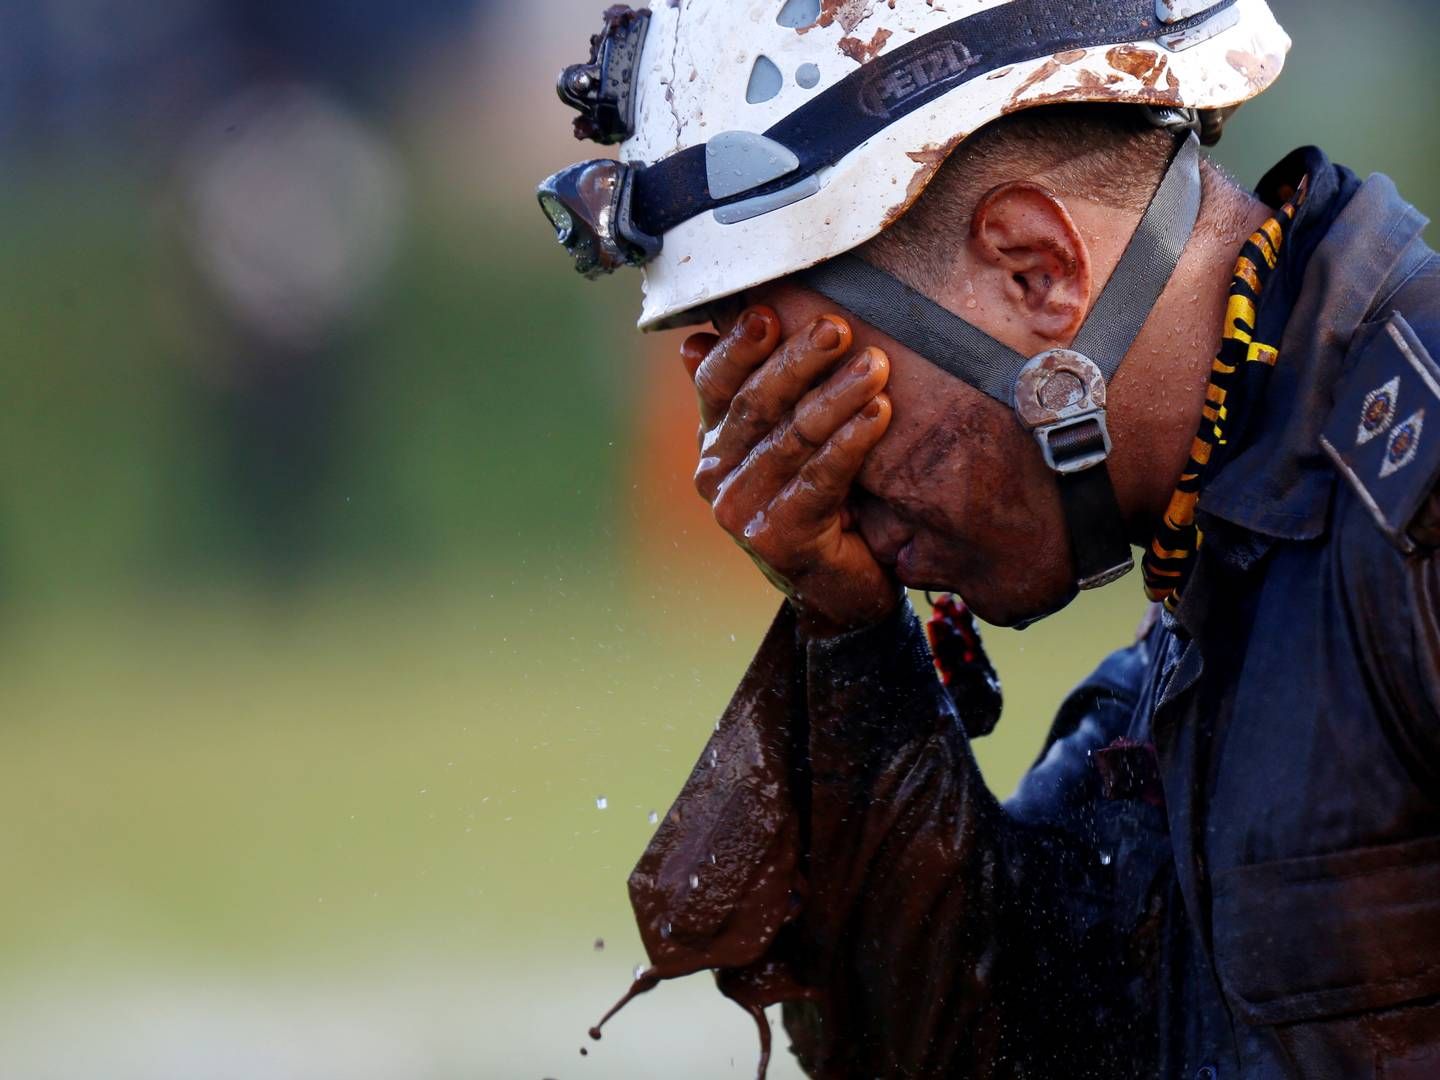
x=760, y=137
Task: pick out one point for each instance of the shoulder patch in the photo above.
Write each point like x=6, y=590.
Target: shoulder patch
x=1384, y=434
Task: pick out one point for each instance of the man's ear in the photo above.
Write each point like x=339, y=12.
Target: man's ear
x=1025, y=233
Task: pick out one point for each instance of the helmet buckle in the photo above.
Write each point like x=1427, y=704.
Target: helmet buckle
x=1060, y=399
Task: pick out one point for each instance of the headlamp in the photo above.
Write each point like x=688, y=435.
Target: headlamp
x=589, y=206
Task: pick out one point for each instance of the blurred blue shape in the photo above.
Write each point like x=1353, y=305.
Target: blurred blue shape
x=102, y=71
x=352, y=41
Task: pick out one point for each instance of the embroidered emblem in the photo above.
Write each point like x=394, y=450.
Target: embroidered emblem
x=1390, y=466
x=1404, y=444
x=1377, y=412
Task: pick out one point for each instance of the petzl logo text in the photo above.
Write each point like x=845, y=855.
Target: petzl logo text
x=896, y=81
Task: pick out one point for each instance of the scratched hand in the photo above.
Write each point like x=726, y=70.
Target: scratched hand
x=779, y=454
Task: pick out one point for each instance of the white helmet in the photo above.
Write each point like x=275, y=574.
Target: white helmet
x=768, y=138
x=760, y=137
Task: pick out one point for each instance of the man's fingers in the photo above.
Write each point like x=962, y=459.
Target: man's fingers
x=820, y=413
x=772, y=390
x=822, y=485
x=694, y=349
x=726, y=366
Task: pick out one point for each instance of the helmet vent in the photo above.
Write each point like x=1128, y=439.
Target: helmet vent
x=765, y=81
x=798, y=14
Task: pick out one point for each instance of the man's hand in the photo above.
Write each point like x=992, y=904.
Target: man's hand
x=779, y=451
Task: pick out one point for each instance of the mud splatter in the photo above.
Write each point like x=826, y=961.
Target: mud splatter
x=1071, y=56
x=864, y=51
x=1259, y=73
x=848, y=13
x=933, y=155
x=930, y=158
x=1144, y=64
x=1039, y=75
x=1106, y=89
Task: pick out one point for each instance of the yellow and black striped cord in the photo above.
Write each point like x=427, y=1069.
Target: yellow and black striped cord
x=1237, y=380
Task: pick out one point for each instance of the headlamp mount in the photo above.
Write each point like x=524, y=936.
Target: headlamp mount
x=603, y=90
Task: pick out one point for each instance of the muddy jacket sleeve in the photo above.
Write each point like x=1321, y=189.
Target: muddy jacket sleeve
x=836, y=849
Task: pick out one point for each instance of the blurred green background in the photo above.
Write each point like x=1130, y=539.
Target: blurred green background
x=347, y=555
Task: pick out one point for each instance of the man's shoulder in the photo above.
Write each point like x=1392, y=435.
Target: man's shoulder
x=1417, y=298
x=1383, y=431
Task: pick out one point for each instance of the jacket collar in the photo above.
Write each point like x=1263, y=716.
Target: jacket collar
x=1280, y=485
x=1363, y=241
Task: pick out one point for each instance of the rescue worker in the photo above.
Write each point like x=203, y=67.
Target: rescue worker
x=986, y=318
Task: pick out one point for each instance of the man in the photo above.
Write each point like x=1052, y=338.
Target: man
x=1226, y=861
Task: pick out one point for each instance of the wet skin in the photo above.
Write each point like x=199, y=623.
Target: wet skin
x=784, y=429
x=940, y=489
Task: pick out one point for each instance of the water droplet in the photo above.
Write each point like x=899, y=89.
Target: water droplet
x=714, y=758
x=667, y=930
x=639, y=970
x=654, y=817
x=1105, y=858
x=601, y=802
x=712, y=858
x=694, y=881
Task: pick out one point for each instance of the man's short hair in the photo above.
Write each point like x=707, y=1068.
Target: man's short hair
x=1108, y=153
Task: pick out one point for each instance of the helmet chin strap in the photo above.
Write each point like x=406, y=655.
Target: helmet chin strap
x=1059, y=395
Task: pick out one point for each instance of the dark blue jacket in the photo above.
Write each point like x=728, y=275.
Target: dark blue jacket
x=1294, y=702
x=1226, y=862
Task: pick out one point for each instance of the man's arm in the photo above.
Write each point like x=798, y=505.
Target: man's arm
x=835, y=847
x=864, y=874
x=905, y=867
